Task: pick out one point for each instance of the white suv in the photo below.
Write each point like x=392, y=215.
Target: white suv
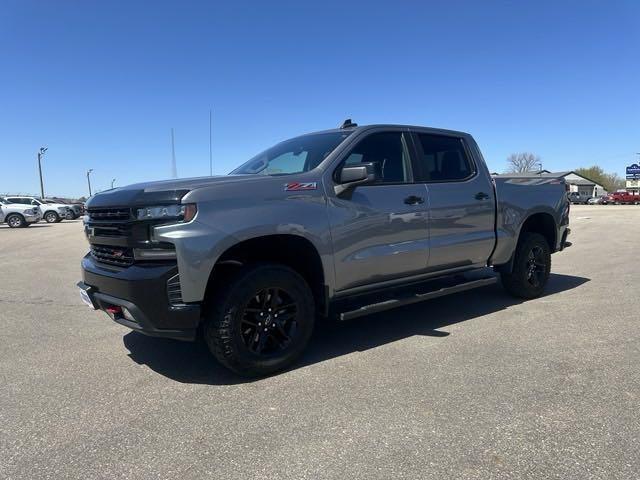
x=17, y=216
x=52, y=212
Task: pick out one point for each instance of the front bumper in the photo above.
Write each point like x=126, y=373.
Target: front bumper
x=142, y=290
x=32, y=218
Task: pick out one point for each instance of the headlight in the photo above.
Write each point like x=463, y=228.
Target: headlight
x=169, y=212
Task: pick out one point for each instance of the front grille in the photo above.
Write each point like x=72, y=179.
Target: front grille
x=122, y=257
x=174, y=292
x=109, y=214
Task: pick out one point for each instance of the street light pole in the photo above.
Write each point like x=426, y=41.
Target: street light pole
x=112, y=182
x=40, y=155
x=89, y=179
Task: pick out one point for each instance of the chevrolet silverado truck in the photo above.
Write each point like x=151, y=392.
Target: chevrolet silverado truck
x=335, y=224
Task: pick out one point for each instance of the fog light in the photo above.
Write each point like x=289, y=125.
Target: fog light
x=113, y=311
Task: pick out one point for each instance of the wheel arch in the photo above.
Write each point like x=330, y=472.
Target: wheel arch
x=12, y=214
x=542, y=222
x=294, y=251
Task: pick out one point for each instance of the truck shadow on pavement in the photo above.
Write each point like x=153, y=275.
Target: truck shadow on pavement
x=188, y=362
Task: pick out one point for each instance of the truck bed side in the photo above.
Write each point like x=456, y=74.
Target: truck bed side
x=519, y=199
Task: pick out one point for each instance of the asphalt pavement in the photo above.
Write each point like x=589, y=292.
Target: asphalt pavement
x=473, y=386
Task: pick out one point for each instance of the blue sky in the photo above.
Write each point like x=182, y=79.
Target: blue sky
x=102, y=83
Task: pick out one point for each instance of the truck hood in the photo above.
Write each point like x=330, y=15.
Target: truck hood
x=164, y=191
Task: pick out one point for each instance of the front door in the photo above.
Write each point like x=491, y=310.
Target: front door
x=379, y=231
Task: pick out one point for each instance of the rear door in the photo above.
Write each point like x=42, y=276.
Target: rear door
x=461, y=201
x=379, y=231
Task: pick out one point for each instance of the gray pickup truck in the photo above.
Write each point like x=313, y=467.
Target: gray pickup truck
x=335, y=224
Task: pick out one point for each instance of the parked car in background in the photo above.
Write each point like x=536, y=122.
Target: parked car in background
x=77, y=209
x=618, y=198
x=597, y=200
x=17, y=215
x=579, y=198
x=52, y=212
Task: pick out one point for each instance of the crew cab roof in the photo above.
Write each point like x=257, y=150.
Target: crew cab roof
x=360, y=128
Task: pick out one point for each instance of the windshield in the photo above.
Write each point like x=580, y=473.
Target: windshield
x=296, y=155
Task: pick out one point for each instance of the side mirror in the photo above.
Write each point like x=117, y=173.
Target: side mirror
x=353, y=175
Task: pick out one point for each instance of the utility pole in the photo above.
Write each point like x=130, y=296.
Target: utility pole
x=112, y=182
x=174, y=167
x=41, y=153
x=210, y=143
x=89, y=179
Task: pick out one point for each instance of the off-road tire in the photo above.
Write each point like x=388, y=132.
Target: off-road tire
x=224, y=316
x=519, y=283
x=15, y=220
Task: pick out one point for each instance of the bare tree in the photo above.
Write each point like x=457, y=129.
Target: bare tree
x=522, y=162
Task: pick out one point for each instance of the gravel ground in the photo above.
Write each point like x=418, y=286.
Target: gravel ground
x=472, y=386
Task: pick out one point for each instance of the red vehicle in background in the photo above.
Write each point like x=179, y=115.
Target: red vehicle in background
x=618, y=198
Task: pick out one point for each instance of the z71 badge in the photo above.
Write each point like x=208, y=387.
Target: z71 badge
x=299, y=186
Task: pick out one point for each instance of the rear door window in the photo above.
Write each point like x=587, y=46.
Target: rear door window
x=443, y=158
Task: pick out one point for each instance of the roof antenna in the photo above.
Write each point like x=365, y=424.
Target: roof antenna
x=348, y=124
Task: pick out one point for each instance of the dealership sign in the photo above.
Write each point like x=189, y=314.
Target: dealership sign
x=633, y=171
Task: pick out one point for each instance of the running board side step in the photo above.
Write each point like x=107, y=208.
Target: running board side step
x=415, y=298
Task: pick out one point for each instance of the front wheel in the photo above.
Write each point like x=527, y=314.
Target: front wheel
x=261, y=321
x=52, y=217
x=70, y=215
x=531, y=267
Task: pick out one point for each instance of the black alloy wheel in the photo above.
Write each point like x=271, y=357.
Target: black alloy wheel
x=260, y=319
x=536, y=266
x=268, y=321
x=531, y=267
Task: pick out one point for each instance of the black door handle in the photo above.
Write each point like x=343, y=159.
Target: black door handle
x=413, y=200
x=481, y=196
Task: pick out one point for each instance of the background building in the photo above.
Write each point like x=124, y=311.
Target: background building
x=583, y=185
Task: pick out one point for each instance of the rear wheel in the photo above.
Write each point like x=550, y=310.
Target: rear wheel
x=52, y=217
x=531, y=267
x=261, y=321
x=16, y=221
